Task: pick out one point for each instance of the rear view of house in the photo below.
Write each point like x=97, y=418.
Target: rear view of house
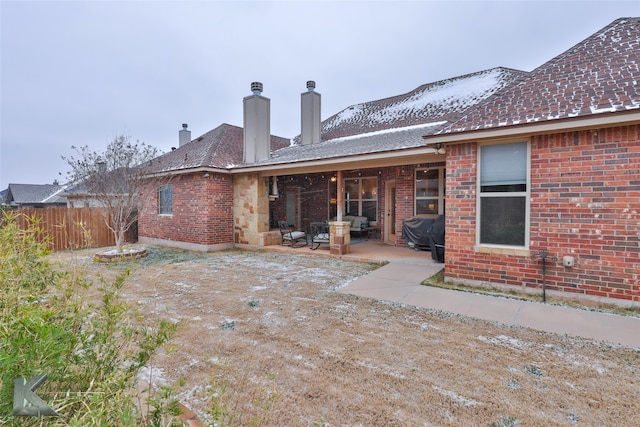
x=530, y=169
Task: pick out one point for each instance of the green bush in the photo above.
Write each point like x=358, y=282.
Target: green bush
x=91, y=348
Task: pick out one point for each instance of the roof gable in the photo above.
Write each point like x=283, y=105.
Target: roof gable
x=601, y=74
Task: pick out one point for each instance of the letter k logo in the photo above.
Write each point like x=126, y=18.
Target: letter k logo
x=26, y=402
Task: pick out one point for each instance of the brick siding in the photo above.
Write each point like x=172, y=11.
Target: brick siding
x=585, y=203
x=202, y=211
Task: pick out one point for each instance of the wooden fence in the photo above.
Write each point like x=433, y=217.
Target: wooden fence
x=70, y=228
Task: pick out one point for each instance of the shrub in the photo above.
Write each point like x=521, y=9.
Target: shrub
x=91, y=348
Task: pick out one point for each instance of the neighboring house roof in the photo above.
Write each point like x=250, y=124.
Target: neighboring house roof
x=599, y=75
x=35, y=194
x=219, y=148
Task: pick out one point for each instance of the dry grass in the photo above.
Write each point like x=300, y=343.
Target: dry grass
x=265, y=340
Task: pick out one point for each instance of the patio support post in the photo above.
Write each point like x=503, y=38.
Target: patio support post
x=339, y=230
x=340, y=193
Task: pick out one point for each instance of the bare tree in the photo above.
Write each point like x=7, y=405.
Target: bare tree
x=114, y=179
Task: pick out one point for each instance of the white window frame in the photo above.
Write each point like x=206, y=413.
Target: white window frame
x=441, y=190
x=160, y=205
x=526, y=194
x=361, y=199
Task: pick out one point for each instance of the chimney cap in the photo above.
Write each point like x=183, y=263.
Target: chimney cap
x=184, y=126
x=311, y=85
x=256, y=88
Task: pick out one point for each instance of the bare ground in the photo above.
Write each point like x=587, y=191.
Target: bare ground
x=264, y=339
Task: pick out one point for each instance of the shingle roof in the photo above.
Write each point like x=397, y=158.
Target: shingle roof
x=431, y=102
x=221, y=147
x=20, y=194
x=601, y=74
x=367, y=143
x=399, y=122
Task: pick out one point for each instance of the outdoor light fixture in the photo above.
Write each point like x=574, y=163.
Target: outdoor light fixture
x=333, y=178
x=439, y=147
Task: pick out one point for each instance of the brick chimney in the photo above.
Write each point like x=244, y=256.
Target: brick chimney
x=310, y=106
x=257, y=127
x=184, y=135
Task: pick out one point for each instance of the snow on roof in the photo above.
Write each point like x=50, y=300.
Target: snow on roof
x=365, y=143
x=442, y=100
x=598, y=75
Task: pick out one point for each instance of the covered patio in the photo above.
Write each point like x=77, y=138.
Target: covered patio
x=371, y=250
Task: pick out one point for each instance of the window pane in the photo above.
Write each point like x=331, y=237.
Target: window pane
x=426, y=206
x=369, y=188
x=503, y=220
x=427, y=183
x=351, y=188
x=166, y=200
x=351, y=208
x=503, y=165
x=369, y=210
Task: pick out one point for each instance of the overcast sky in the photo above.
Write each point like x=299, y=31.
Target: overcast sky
x=82, y=72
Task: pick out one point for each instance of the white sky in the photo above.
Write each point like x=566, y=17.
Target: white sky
x=81, y=72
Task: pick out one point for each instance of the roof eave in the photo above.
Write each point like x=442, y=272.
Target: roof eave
x=186, y=171
x=381, y=159
x=595, y=121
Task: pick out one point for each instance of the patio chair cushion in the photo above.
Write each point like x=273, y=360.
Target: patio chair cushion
x=294, y=235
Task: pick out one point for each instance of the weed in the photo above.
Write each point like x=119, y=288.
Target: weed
x=534, y=370
x=228, y=324
x=506, y=422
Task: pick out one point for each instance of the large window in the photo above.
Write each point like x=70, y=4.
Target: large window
x=430, y=191
x=504, y=193
x=361, y=197
x=165, y=197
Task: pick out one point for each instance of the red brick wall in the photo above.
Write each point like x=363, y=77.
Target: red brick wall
x=585, y=202
x=202, y=211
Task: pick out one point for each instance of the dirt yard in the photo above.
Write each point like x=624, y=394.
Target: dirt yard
x=264, y=339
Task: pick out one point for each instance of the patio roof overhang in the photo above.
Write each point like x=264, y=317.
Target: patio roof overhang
x=417, y=155
x=591, y=122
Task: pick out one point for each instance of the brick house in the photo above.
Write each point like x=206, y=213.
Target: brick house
x=525, y=164
x=224, y=183
x=551, y=165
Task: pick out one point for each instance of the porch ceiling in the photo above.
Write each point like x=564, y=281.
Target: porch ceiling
x=377, y=160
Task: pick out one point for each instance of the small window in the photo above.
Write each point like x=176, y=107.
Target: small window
x=504, y=193
x=166, y=200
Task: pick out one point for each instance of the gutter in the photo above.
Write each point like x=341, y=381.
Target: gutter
x=598, y=121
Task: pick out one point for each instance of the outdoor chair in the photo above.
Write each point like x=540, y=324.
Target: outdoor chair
x=295, y=239
x=319, y=234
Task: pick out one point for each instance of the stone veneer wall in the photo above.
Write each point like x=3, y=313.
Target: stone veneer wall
x=250, y=208
x=585, y=203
